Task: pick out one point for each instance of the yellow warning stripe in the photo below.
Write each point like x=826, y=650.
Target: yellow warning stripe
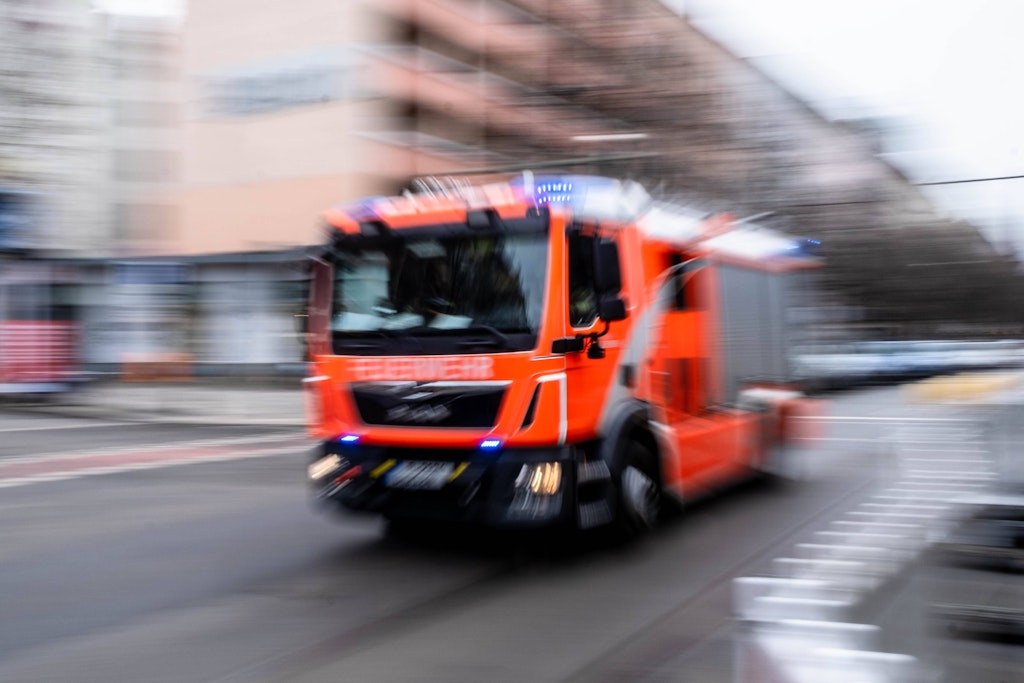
x=962, y=387
x=458, y=470
x=382, y=468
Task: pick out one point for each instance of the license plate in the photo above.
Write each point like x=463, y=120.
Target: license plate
x=420, y=475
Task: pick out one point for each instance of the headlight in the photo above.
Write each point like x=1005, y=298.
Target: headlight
x=325, y=465
x=542, y=479
x=537, y=491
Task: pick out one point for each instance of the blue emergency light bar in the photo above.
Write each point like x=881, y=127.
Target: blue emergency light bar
x=567, y=190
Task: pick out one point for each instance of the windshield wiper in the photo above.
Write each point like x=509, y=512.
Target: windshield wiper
x=373, y=339
x=497, y=337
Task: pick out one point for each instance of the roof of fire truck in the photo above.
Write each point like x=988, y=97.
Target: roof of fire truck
x=594, y=198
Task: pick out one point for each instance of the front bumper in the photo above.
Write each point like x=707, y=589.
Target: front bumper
x=513, y=488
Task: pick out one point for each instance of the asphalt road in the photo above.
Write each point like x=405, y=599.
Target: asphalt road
x=146, y=552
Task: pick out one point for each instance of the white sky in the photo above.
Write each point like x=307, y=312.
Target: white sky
x=160, y=7
x=951, y=67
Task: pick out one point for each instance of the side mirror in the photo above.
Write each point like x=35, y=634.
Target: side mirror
x=611, y=308
x=607, y=277
x=567, y=345
x=608, y=281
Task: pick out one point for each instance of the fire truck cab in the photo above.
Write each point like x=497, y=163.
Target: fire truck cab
x=546, y=351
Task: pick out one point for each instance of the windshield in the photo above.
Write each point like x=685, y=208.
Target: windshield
x=455, y=294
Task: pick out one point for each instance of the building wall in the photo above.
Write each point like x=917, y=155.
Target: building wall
x=140, y=57
x=291, y=112
x=275, y=102
x=88, y=123
x=51, y=121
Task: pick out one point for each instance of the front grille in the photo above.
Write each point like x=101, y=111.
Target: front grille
x=431, y=404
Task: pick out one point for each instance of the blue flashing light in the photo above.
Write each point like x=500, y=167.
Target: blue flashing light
x=490, y=444
x=553, y=193
x=810, y=247
x=562, y=190
x=348, y=438
x=804, y=247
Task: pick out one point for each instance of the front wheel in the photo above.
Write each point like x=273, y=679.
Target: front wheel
x=640, y=496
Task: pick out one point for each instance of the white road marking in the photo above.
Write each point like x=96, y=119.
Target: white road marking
x=79, y=425
x=129, y=467
x=135, y=448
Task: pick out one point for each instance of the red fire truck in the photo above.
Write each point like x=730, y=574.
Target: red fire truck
x=558, y=350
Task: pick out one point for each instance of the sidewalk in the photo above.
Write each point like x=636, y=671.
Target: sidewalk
x=224, y=402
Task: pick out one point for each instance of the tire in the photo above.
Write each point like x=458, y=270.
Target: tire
x=640, y=496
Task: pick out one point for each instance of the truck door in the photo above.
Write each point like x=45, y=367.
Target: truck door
x=679, y=369
x=680, y=375
x=590, y=376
